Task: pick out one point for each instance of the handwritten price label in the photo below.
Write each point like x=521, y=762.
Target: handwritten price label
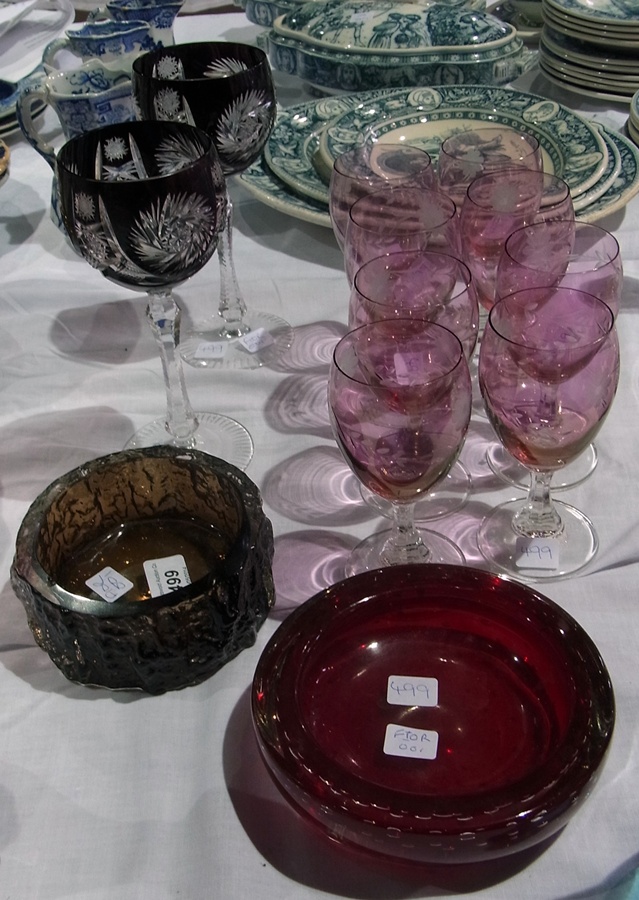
x=537, y=553
x=404, y=690
x=256, y=340
x=211, y=350
x=109, y=584
x=413, y=743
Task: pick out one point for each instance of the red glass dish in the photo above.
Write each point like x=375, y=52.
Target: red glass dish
x=523, y=716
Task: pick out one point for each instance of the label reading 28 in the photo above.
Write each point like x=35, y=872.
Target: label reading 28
x=169, y=573
x=109, y=584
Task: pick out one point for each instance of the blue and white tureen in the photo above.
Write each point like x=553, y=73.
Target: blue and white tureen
x=354, y=45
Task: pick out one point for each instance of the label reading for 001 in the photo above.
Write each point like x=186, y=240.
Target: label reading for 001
x=414, y=743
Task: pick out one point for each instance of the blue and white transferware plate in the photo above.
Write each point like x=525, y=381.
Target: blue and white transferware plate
x=608, y=177
x=615, y=12
x=583, y=53
x=625, y=185
x=262, y=184
x=573, y=147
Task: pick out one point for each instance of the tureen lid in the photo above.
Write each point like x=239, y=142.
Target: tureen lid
x=379, y=26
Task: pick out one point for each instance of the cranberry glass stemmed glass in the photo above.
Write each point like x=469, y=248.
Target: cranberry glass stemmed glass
x=424, y=285
x=548, y=372
x=397, y=219
x=143, y=202
x=466, y=155
x=564, y=253
x=226, y=89
x=372, y=167
x=421, y=284
x=498, y=203
x=400, y=399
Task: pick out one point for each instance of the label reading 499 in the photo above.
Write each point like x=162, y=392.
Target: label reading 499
x=166, y=574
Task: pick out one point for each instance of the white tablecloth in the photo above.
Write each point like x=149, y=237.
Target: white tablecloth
x=125, y=796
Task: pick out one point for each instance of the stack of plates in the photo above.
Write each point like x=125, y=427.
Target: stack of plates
x=633, y=121
x=600, y=166
x=592, y=46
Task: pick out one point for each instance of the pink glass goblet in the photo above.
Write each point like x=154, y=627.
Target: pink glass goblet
x=399, y=399
x=548, y=372
x=373, y=167
x=499, y=203
x=466, y=155
x=564, y=253
x=399, y=219
x=423, y=285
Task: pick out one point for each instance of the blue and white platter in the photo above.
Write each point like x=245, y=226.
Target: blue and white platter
x=309, y=136
x=621, y=184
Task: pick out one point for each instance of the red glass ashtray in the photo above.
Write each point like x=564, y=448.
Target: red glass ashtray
x=436, y=714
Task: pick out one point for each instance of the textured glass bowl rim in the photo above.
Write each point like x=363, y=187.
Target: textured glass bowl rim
x=29, y=568
x=184, y=50
x=287, y=748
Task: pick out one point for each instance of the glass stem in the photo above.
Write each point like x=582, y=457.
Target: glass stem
x=164, y=315
x=405, y=544
x=539, y=517
x=232, y=307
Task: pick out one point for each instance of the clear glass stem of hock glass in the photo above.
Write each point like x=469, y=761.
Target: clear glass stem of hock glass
x=539, y=517
x=164, y=315
x=233, y=320
x=232, y=306
x=213, y=433
x=404, y=544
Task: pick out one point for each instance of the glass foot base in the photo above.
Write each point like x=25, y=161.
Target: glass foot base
x=448, y=497
x=218, y=435
x=528, y=559
x=509, y=470
x=367, y=554
x=264, y=341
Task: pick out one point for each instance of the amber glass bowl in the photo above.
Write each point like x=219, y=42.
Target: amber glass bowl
x=195, y=520
x=435, y=714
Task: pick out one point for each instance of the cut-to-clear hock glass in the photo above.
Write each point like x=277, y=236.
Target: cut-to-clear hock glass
x=226, y=89
x=144, y=203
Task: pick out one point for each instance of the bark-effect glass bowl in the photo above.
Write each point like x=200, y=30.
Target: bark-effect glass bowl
x=107, y=518
x=434, y=714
